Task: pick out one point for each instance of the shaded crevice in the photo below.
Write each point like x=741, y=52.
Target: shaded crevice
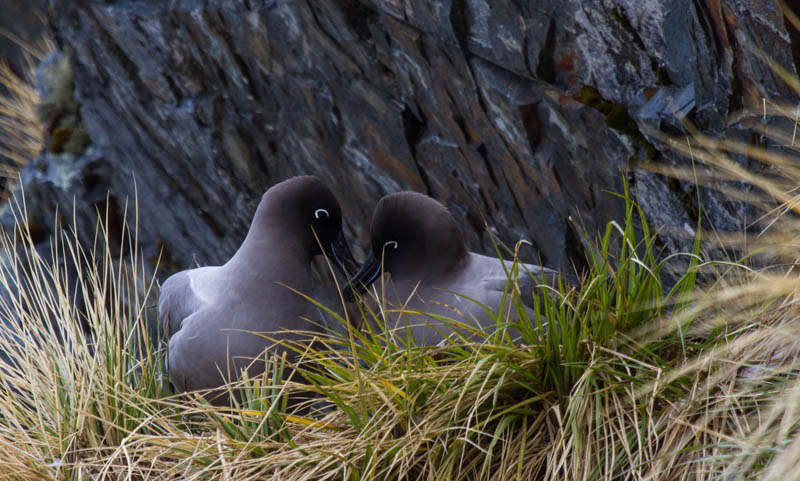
x=474, y=219
x=616, y=117
x=687, y=199
x=575, y=252
x=459, y=22
x=485, y=156
x=557, y=176
x=413, y=129
x=359, y=17
x=419, y=42
x=519, y=204
x=328, y=30
x=794, y=34
x=176, y=91
x=212, y=224
x=459, y=120
x=530, y=121
x=736, y=99
x=662, y=76
x=486, y=202
x=424, y=178
x=108, y=210
x=546, y=65
x=707, y=26
x=32, y=230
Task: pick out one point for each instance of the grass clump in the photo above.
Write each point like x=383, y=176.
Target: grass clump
x=20, y=124
x=78, y=362
x=494, y=408
x=584, y=396
x=622, y=377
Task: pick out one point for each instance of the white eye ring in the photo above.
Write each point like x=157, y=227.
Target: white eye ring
x=320, y=212
x=390, y=242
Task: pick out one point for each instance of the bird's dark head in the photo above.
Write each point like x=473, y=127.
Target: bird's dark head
x=306, y=210
x=412, y=235
x=412, y=231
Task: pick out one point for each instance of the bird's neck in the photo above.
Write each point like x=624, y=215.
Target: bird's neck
x=280, y=248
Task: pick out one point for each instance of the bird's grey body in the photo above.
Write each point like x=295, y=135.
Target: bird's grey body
x=464, y=295
x=212, y=315
x=436, y=275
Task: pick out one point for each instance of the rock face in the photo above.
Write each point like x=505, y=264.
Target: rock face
x=526, y=114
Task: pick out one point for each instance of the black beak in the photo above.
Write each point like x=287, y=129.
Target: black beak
x=360, y=282
x=341, y=255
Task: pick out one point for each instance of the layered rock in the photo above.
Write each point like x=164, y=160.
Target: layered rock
x=527, y=115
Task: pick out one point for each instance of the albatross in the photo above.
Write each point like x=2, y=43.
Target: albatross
x=212, y=316
x=418, y=243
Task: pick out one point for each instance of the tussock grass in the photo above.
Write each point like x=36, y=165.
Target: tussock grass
x=21, y=131
x=84, y=393
x=740, y=420
x=623, y=377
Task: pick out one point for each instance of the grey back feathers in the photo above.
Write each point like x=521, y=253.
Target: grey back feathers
x=219, y=319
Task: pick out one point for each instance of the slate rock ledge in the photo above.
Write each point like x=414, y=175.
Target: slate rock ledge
x=526, y=113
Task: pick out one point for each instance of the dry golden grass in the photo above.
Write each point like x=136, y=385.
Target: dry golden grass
x=21, y=131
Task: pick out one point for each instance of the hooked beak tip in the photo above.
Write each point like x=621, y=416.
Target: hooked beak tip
x=360, y=282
